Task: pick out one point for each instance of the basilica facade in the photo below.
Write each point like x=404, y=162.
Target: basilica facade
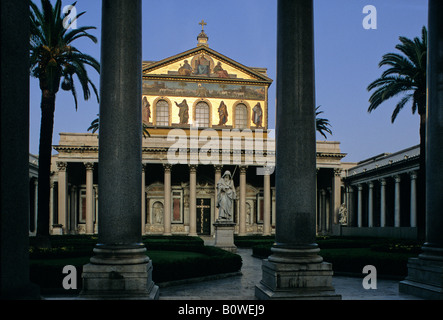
x=206, y=114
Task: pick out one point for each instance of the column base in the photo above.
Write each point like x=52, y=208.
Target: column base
x=224, y=235
x=296, y=281
x=119, y=282
x=425, y=275
x=120, y=273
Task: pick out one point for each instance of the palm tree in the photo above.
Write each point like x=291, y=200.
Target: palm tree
x=52, y=57
x=95, y=124
x=406, y=76
x=321, y=124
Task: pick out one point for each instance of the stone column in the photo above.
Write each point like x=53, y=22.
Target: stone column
x=62, y=194
x=217, y=177
x=350, y=206
x=382, y=202
x=336, y=195
x=295, y=270
x=51, y=204
x=425, y=273
x=267, y=202
x=95, y=211
x=73, y=210
x=120, y=268
x=359, y=206
x=143, y=198
x=322, y=211
x=242, y=202
x=89, y=198
x=167, y=200
x=14, y=134
x=192, y=200
x=397, y=202
x=35, y=205
x=413, y=212
x=370, y=204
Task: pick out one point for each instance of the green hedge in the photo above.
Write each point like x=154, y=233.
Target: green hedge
x=46, y=265
x=216, y=261
x=351, y=254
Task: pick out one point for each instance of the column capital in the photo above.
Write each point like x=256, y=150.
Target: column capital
x=144, y=166
x=413, y=175
x=370, y=184
x=167, y=166
x=359, y=187
x=89, y=165
x=218, y=167
x=397, y=178
x=61, y=166
x=337, y=172
x=382, y=181
x=192, y=168
x=243, y=169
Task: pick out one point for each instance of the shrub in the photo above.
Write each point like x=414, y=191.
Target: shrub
x=46, y=265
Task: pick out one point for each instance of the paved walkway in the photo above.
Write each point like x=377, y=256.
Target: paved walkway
x=242, y=287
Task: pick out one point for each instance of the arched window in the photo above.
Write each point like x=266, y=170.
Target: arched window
x=202, y=114
x=162, y=113
x=241, y=116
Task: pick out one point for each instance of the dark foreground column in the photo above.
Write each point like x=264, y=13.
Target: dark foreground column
x=425, y=273
x=14, y=195
x=295, y=270
x=120, y=268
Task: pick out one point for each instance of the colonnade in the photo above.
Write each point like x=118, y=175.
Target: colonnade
x=359, y=191
x=67, y=204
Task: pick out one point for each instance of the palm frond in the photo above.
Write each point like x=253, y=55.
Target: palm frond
x=321, y=124
x=406, y=73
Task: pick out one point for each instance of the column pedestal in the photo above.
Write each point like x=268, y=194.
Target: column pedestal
x=119, y=273
x=224, y=236
x=425, y=275
x=296, y=274
x=283, y=281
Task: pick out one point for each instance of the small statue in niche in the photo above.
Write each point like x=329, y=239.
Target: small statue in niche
x=184, y=111
x=343, y=214
x=146, y=110
x=222, y=113
x=158, y=212
x=257, y=115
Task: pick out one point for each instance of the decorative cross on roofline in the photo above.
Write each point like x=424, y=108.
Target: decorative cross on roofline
x=203, y=24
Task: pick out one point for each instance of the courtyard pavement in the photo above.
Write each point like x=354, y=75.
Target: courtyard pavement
x=242, y=286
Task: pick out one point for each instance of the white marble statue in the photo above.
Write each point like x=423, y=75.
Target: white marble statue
x=225, y=197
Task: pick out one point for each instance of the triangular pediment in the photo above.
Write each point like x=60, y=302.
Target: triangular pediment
x=203, y=63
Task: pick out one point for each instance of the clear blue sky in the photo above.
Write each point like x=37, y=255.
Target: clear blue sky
x=347, y=57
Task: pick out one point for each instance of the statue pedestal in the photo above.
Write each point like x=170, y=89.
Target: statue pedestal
x=224, y=235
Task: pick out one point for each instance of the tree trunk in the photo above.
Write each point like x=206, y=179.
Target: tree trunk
x=421, y=180
x=44, y=168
